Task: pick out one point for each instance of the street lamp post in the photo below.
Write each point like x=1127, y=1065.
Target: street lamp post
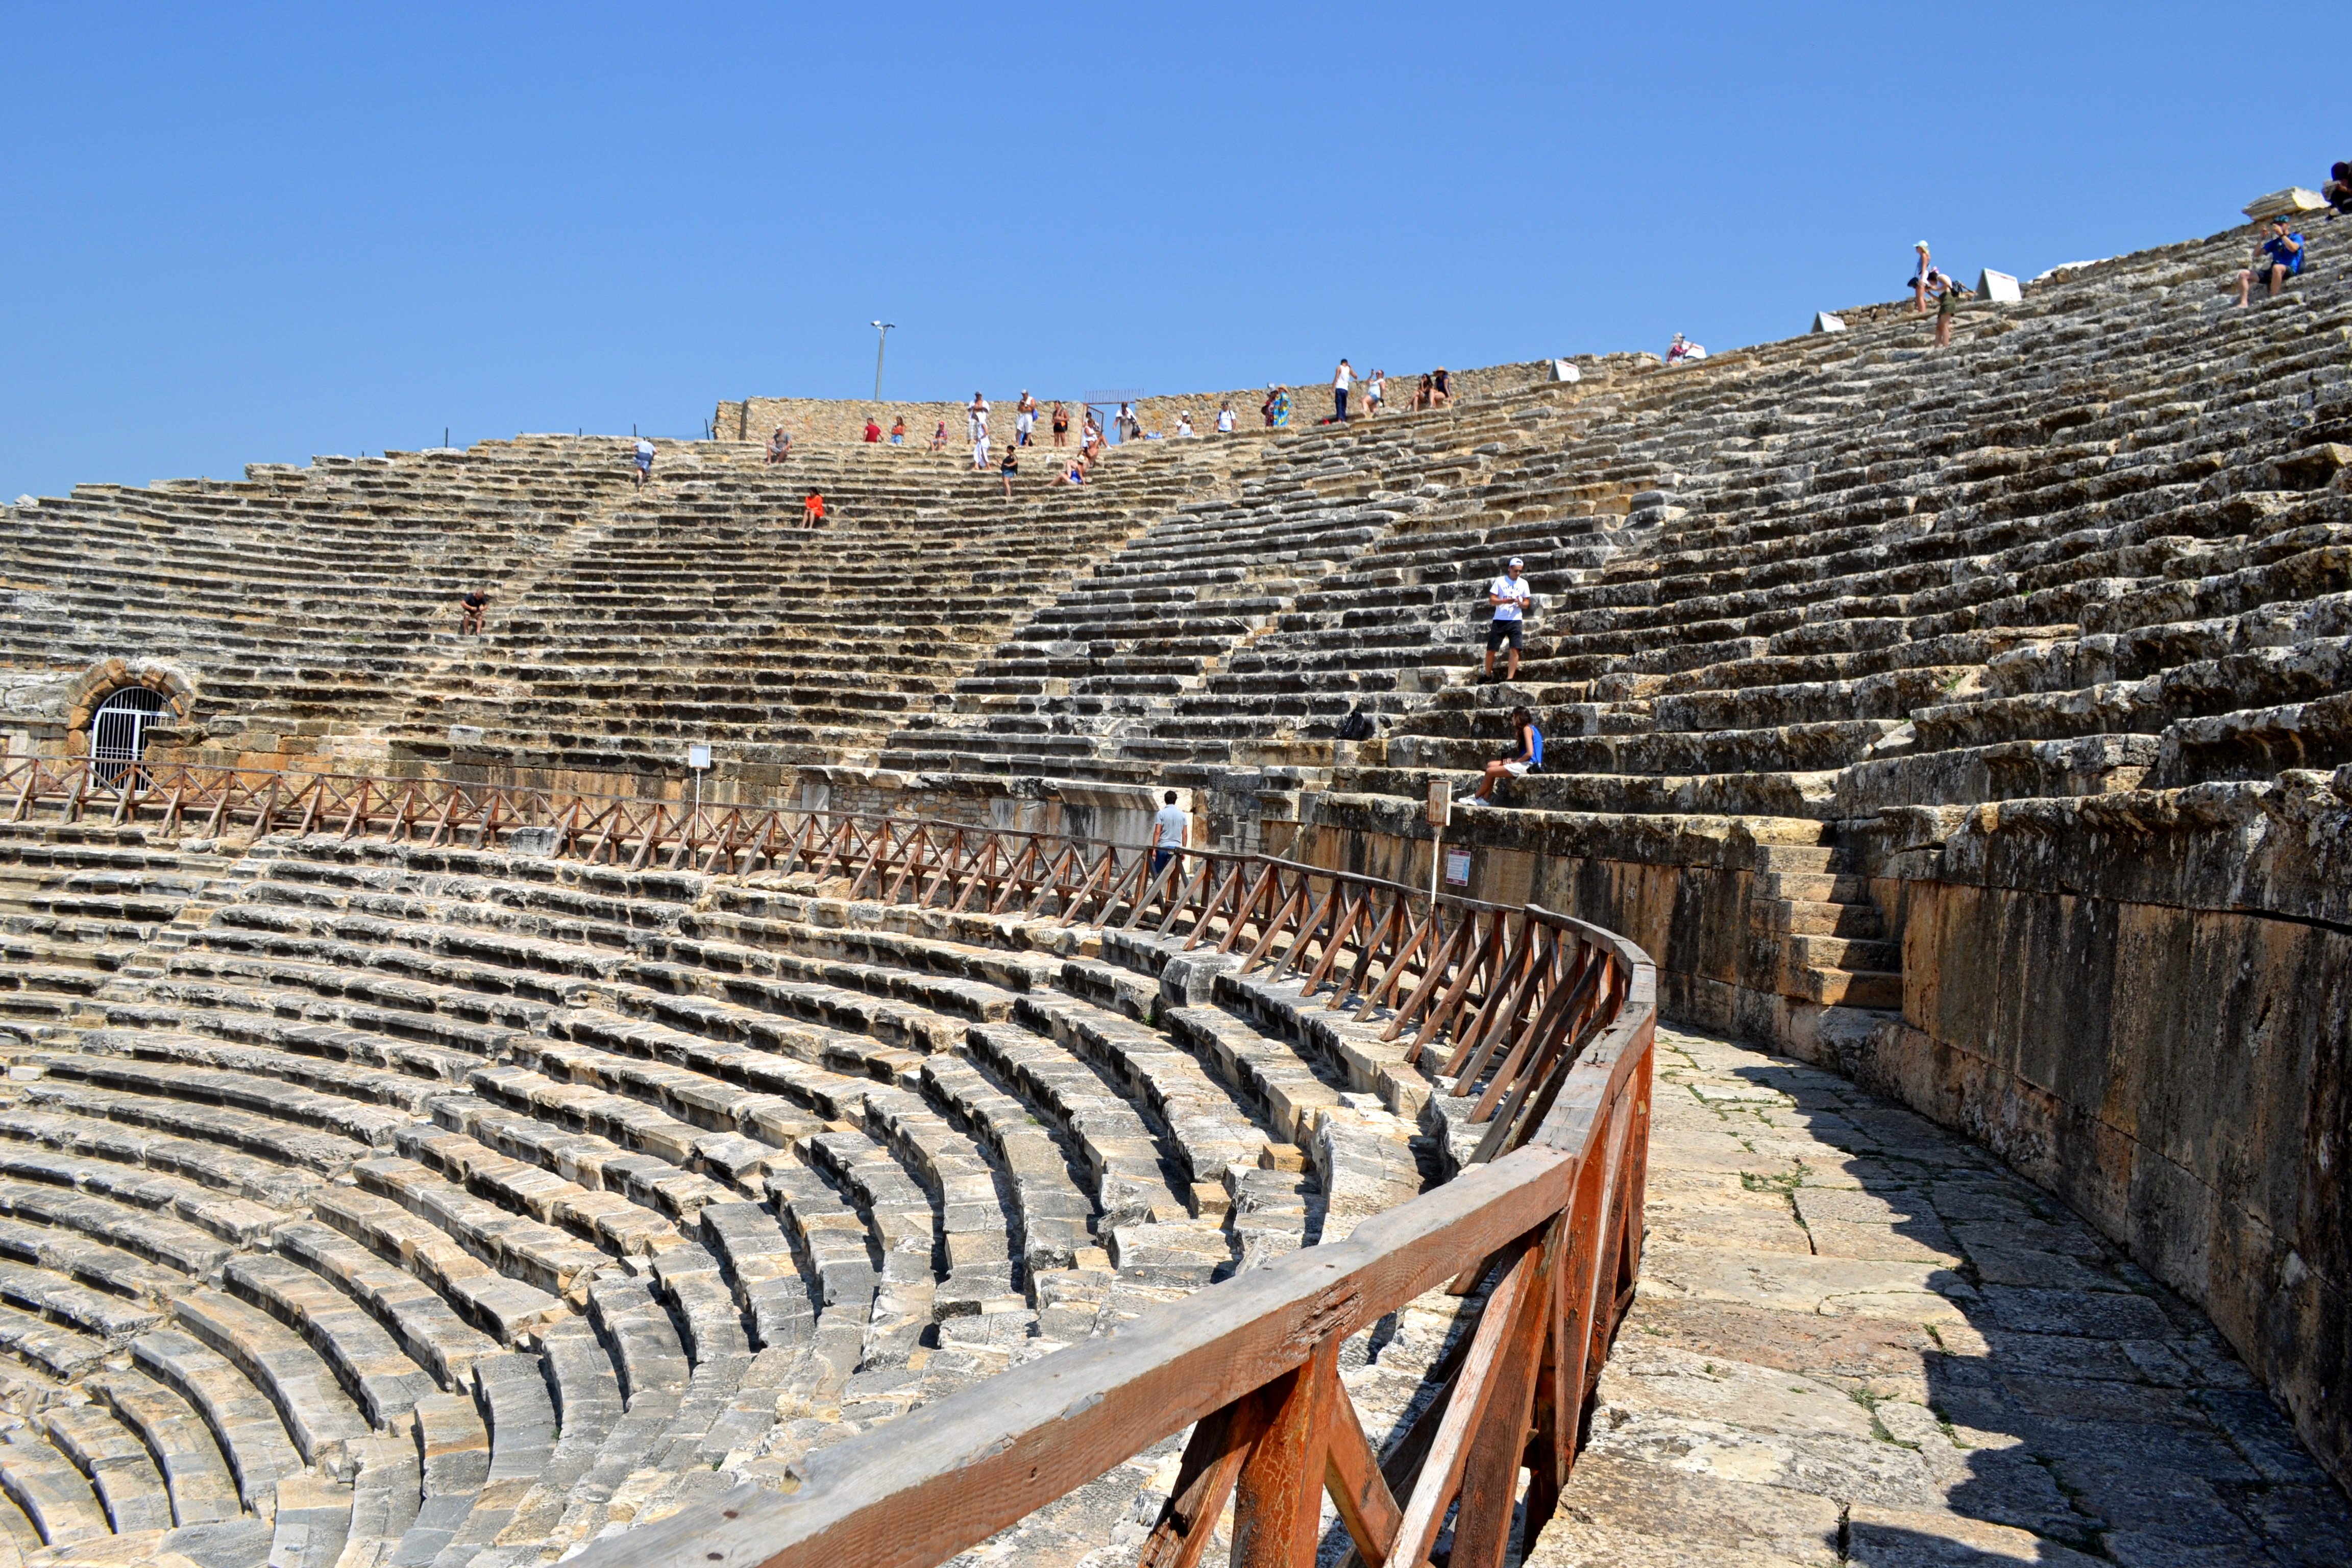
x=879, y=344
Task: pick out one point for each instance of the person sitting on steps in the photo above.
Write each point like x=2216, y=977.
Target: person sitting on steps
x=1441, y=391
x=2277, y=258
x=2338, y=189
x=940, y=438
x=470, y=610
x=1525, y=757
x=779, y=445
x=813, y=511
x=1510, y=595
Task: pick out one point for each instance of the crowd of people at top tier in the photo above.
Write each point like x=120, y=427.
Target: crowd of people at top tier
x=2277, y=258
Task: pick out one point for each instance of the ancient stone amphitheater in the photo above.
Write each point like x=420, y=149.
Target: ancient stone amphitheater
x=1879, y=1095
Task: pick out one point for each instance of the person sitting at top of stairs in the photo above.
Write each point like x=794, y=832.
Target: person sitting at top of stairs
x=1525, y=757
x=1510, y=593
x=2275, y=260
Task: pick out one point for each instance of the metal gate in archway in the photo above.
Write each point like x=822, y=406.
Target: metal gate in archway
x=118, y=729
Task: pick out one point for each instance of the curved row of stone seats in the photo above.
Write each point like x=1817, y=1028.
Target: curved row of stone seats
x=77, y=903
x=768, y=627
x=730, y=1177
x=364, y=557
x=1874, y=595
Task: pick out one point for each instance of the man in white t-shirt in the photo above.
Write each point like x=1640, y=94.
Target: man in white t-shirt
x=645, y=459
x=1510, y=595
x=1172, y=829
x=1225, y=420
x=1341, y=379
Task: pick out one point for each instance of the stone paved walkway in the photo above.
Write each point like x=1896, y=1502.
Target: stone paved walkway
x=1861, y=1340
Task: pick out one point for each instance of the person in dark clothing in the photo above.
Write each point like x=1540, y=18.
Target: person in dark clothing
x=470, y=610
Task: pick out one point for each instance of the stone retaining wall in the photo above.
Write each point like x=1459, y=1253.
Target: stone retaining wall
x=2143, y=1002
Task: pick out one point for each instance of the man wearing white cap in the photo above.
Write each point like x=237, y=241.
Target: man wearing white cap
x=1510, y=595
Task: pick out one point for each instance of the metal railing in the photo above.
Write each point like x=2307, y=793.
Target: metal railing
x=1546, y=1020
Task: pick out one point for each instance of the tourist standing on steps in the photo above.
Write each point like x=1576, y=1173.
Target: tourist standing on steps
x=899, y=431
x=975, y=417
x=1947, y=305
x=1919, y=276
x=1010, y=468
x=979, y=451
x=470, y=610
x=1225, y=418
x=1061, y=426
x=2275, y=260
x=644, y=461
x=813, y=511
x=1171, y=830
x=872, y=431
x=1376, y=392
x=1024, y=418
x=1185, y=431
x=1341, y=379
x=779, y=445
x=1525, y=757
x=1510, y=595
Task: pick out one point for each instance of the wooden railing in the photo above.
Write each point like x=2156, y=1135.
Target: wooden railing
x=1546, y=1020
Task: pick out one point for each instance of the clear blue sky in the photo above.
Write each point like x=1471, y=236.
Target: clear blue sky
x=239, y=234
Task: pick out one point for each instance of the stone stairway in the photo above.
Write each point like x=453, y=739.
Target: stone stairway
x=1244, y=629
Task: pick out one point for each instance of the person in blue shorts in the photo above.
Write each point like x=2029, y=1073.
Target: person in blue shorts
x=1525, y=757
x=2277, y=258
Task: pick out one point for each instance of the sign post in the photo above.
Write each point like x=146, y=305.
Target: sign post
x=698, y=757
x=1441, y=812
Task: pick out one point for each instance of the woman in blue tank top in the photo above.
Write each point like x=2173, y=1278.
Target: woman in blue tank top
x=1525, y=757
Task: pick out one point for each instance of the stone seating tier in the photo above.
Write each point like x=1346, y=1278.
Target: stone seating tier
x=462, y=1206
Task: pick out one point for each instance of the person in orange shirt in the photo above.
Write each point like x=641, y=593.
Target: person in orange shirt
x=813, y=511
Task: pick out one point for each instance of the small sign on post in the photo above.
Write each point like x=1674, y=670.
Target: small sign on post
x=698, y=757
x=1457, y=868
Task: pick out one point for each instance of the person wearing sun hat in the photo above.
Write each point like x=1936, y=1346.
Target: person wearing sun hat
x=1919, y=280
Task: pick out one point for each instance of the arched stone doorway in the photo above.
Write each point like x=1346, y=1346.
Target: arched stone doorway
x=117, y=732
